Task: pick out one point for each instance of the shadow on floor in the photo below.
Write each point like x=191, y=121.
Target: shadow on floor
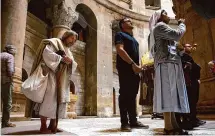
x=37, y=132
x=112, y=130
x=158, y=131
x=30, y=130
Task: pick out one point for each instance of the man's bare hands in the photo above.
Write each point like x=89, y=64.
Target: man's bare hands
x=144, y=67
x=137, y=69
x=67, y=60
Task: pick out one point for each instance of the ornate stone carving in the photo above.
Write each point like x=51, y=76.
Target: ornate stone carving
x=63, y=15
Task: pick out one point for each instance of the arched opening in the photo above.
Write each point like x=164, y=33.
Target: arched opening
x=72, y=87
x=86, y=27
x=80, y=27
x=33, y=6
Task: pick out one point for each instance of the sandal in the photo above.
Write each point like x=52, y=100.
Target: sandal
x=53, y=130
x=175, y=132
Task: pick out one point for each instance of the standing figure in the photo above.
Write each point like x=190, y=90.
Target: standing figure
x=7, y=71
x=192, y=80
x=128, y=69
x=58, y=62
x=170, y=94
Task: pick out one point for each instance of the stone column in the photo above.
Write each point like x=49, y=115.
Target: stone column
x=63, y=18
x=14, y=14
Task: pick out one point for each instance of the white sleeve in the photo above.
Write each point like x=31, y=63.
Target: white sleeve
x=51, y=59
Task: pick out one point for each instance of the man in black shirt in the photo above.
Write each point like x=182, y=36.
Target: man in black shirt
x=192, y=80
x=128, y=69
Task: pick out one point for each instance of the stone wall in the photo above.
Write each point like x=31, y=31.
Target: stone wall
x=36, y=30
x=79, y=76
x=202, y=32
x=107, y=77
x=96, y=74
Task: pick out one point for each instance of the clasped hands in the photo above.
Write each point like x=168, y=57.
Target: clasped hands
x=66, y=60
x=137, y=69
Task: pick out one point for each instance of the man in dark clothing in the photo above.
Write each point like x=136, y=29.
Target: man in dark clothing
x=128, y=69
x=7, y=71
x=192, y=79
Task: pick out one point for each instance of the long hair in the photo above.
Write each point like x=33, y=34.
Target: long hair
x=68, y=34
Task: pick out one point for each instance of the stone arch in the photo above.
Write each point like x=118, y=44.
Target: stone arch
x=90, y=98
x=78, y=85
x=72, y=87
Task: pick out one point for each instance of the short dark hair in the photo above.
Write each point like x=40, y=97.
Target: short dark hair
x=10, y=49
x=122, y=21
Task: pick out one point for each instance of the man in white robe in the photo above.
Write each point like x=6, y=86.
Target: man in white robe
x=58, y=62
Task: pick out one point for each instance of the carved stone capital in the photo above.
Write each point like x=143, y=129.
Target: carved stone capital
x=63, y=15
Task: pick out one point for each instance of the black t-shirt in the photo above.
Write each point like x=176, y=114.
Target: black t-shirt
x=195, y=71
x=131, y=46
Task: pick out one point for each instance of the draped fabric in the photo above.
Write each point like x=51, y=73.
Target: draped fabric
x=170, y=94
x=47, y=53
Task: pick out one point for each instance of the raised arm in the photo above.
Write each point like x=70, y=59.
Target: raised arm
x=164, y=31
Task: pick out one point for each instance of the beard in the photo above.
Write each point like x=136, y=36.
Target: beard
x=69, y=44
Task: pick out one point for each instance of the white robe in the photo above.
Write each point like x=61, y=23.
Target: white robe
x=49, y=105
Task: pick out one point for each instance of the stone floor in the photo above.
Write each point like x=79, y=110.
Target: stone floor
x=101, y=127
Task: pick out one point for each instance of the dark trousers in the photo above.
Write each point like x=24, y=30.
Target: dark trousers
x=193, y=96
x=129, y=85
x=6, y=96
